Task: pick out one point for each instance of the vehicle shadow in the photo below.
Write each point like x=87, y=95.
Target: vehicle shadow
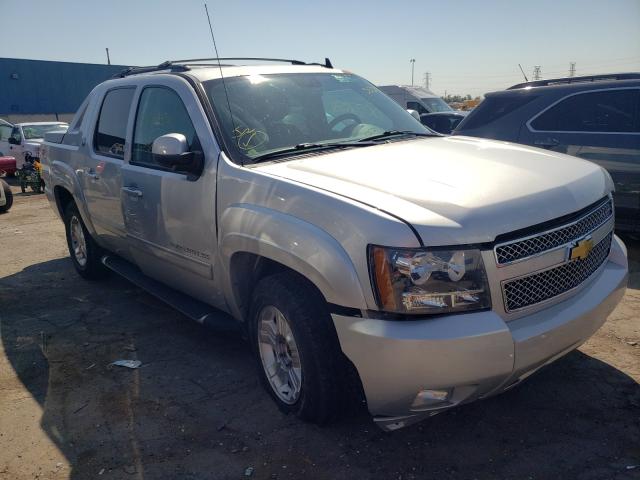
x=196, y=410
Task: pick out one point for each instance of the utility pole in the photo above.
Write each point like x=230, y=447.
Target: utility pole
x=413, y=63
x=572, y=69
x=108, y=59
x=536, y=72
x=427, y=79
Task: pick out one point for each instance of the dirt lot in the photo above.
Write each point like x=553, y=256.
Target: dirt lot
x=195, y=409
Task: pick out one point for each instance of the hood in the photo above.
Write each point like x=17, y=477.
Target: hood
x=33, y=143
x=455, y=190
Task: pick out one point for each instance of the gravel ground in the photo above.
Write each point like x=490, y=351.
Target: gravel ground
x=195, y=409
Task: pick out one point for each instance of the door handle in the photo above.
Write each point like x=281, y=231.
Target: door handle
x=134, y=192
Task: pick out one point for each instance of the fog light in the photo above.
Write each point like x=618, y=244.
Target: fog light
x=429, y=398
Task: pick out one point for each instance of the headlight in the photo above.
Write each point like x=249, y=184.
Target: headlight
x=428, y=281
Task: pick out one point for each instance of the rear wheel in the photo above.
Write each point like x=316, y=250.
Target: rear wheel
x=8, y=195
x=297, y=349
x=85, y=253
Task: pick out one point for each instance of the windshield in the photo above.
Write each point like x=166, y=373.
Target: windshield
x=280, y=111
x=38, y=131
x=436, y=104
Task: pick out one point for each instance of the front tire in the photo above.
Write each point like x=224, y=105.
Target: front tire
x=297, y=350
x=85, y=253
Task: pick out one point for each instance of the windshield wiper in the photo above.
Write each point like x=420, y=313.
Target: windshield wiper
x=302, y=147
x=395, y=133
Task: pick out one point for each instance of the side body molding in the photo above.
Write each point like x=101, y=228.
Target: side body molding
x=293, y=242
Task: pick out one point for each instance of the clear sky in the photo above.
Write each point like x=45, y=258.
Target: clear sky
x=468, y=46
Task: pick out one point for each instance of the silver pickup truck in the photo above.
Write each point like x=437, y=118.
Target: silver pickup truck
x=357, y=249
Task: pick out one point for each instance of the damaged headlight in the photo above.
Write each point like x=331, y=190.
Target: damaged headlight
x=428, y=281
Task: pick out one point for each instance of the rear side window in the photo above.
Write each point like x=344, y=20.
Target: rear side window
x=160, y=112
x=604, y=111
x=111, y=128
x=79, y=116
x=493, y=108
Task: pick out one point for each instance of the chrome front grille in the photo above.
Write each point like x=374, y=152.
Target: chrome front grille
x=523, y=248
x=538, y=287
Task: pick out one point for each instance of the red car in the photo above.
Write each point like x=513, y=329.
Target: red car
x=8, y=165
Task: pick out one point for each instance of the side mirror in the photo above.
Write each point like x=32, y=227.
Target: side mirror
x=14, y=141
x=171, y=151
x=414, y=114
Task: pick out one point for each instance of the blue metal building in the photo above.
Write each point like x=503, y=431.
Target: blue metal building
x=29, y=87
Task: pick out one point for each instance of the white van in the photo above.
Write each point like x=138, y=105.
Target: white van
x=419, y=99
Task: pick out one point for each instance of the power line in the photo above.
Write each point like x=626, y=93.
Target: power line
x=515, y=74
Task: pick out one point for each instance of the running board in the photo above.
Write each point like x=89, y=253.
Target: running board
x=192, y=308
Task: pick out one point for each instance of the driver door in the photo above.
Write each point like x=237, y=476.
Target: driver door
x=170, y=216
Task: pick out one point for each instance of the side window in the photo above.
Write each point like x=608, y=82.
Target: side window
x=605, y=111
x=79, y=116
x=418, y=107
x=111, y=128
x=160, y=112
x=5, y=132
x=15, y=133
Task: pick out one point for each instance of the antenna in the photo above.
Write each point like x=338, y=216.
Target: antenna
x=525, y=77
x=224, y=85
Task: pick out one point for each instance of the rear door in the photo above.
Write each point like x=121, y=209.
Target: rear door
x=100, y=172
x=169, y=217
x=598, y=125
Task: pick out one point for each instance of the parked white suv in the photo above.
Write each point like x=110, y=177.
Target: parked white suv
x=349, y=242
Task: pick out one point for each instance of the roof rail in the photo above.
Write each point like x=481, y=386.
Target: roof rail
x=168, y=65
x=183, y=65
x=586, y=78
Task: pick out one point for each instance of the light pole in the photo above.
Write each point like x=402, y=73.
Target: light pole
x=413, y=63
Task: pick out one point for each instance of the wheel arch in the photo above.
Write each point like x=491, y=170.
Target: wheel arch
x=66, y=187
x=260, y=242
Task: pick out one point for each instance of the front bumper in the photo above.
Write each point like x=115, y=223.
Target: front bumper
x=473, y=355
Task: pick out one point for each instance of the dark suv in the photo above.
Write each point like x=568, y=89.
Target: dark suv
x=596, y=118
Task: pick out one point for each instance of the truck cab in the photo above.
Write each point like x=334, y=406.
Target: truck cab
x=25, y=139
x=300, y=203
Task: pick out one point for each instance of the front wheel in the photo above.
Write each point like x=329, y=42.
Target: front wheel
x=297, y=349
x=85, y=253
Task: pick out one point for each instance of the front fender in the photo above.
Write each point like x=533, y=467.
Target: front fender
x=295, y=243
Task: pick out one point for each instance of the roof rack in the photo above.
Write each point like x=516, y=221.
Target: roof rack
x=586, y=78
x=183, y=65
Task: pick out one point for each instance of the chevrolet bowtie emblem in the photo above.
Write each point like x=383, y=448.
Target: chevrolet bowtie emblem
x=581, y=250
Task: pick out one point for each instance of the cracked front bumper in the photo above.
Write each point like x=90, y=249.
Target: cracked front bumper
x=473, y=355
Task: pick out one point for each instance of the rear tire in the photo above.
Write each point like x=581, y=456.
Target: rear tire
x=8, y=195
x=85, y=253
x=319, y=394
